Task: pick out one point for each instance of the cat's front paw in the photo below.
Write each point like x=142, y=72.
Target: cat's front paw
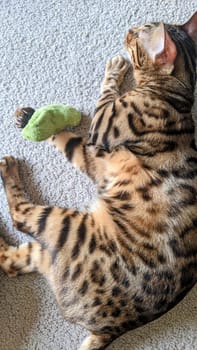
x=117, y=66
x=22, y=116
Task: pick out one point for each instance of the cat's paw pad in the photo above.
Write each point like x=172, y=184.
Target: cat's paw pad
x=22, y=116
x=8, y=167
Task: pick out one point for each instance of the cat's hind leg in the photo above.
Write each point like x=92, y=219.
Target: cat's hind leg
x=36, y=220
x=26, y=258
x=19, y=205
x=51, y=226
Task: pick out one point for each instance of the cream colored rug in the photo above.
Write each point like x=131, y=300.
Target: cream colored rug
x=55, y=52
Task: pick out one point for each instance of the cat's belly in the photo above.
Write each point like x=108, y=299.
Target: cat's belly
x=121, y=303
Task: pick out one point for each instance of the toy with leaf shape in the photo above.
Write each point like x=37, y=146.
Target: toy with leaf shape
x=48, y=120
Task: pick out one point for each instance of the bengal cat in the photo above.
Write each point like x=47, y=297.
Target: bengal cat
x=133, y=255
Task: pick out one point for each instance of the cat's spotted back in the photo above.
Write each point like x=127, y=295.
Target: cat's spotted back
x=133, y=255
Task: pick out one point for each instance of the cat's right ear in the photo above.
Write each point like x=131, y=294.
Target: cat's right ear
x=190, y=27
x=160, y=47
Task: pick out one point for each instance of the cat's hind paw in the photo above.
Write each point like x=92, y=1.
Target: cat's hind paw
x=8, y=167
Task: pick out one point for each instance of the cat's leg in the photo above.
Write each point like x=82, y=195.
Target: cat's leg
x=96, y=342
x=85, y=157
x=106, y=106
x=26, y=258
x=54, y=227
x=74, y=147
x=37, y=220
x=115, y=71
x=18, y=203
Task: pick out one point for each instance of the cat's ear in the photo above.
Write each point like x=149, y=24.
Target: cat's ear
x=190, y=27
x=160, y=47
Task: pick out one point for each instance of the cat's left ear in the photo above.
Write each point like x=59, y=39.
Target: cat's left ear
x=160, y=48
x=190, y=27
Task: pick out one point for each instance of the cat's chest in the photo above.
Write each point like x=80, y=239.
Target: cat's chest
x=131, y=118
x=110, y=129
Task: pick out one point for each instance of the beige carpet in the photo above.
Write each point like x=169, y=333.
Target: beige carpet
x=55, y=52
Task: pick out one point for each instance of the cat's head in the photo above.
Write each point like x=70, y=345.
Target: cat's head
x=159, y=48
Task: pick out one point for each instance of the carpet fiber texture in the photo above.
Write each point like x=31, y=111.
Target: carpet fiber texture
x=55, y=52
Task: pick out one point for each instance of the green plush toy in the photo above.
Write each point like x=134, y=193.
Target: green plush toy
x=46, y=121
